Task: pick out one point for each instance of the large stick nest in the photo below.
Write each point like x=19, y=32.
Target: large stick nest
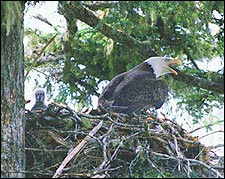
x=63, y=143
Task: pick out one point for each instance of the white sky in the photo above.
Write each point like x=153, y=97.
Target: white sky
x=49, y=10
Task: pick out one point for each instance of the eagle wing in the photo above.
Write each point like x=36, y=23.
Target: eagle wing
x=108, y=93
x=137, y=91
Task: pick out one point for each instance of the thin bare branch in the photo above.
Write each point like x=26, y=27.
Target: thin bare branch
x=76, y=149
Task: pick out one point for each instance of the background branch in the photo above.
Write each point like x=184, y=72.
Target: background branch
x=77, y=10
x=199, y=82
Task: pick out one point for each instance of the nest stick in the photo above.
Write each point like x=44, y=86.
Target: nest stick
x=77, y=149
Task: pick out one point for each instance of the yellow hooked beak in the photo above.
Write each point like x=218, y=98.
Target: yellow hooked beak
x=173, y=62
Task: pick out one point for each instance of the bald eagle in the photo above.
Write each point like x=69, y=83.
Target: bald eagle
x=139, y=88
x=40, y=100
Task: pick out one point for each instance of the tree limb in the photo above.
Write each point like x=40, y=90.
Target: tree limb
x=190, y=57
x=40, y=54
x=199, y=82
x=96, y=5
x=76, y=10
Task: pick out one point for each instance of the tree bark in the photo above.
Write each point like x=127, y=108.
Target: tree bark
x=12, y=90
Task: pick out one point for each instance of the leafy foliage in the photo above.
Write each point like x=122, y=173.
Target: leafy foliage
x=83, y=57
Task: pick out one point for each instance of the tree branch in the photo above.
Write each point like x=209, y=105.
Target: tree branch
x=76, y=10
x=189, y=57
x=200, y=82
x=96, y=5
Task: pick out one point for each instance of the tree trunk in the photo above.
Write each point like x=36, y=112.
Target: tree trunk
x=12, y=90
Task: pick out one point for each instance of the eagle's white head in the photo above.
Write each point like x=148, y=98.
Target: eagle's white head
x=161, y=65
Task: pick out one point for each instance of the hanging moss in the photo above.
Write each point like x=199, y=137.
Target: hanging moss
x=11, y=15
